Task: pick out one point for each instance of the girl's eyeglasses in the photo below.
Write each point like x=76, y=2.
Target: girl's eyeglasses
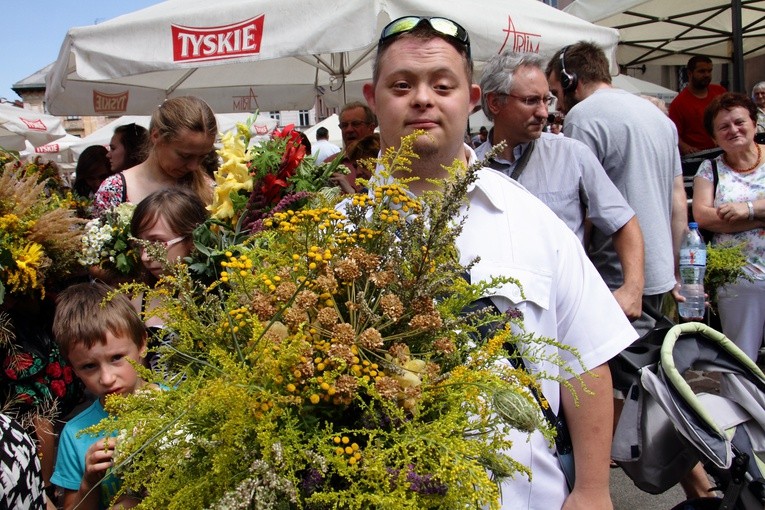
x=140, y=244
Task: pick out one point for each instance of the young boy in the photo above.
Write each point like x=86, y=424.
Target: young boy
x=100, y=337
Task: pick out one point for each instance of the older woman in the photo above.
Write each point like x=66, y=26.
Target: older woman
x=735, y=211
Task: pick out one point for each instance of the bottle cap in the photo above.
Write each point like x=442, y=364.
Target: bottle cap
x=693, y=225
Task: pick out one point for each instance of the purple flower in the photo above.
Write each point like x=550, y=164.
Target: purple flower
x=312, y=481
x=422, y=484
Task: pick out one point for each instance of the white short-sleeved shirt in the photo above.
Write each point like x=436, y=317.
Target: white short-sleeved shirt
x=515, y=234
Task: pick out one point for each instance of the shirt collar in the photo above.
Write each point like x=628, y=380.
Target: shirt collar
x=492, y=193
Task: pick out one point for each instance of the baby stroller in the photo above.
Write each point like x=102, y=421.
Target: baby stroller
x=665, y=428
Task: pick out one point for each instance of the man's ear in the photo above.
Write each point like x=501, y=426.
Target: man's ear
x=493, y=101
x=475, y=95
x=369, y=95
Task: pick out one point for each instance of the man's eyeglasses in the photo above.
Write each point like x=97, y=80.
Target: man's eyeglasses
x=535, y=100
x=354, y=124
x=443, y=26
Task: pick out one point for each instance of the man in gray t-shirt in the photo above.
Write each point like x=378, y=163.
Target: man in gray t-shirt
x=637, y=145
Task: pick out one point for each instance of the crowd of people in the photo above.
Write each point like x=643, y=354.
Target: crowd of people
x=613, y=177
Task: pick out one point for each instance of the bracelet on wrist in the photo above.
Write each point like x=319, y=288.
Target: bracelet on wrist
x=750, y=206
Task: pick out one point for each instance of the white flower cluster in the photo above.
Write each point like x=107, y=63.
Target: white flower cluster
x=97, y=236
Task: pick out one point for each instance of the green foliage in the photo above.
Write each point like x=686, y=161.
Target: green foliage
x=725, y=265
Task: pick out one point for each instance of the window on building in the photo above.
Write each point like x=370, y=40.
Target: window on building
x=304, y=118
x=277, y=116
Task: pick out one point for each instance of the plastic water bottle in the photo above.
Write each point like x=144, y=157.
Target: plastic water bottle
x=693, y=263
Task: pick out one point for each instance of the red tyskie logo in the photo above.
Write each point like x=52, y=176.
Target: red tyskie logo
x=51, y=147
x=110, y=103
x=196, y=44
x=34, y=124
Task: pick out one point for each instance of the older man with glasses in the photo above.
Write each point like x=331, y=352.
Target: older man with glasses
x=423, y=80
x=357, y=121
x=562, y=172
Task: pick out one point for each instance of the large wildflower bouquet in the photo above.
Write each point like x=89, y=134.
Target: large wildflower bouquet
x=39, y=231
x=332, y=364
x=256, y=180
x=107, y=241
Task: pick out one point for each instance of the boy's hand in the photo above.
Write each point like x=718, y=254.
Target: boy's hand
x=98, y=459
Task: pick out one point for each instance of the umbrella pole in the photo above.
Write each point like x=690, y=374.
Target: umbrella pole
x=738, y=46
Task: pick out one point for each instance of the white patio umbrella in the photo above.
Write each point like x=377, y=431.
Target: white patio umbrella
x=670, y=32
x=18, y=125
x=242, y=55
x=70, y=147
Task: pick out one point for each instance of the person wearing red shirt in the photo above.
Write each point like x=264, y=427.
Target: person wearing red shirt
x=687, y=109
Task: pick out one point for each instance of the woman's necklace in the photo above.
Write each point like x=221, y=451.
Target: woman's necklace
x=747, y=170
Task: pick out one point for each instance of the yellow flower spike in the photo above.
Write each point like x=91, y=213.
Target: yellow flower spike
x=348, y=450
x=355, y=447
x=320, y=367
x=229, y=254
x=291, y=388
x=314, y=398
x=336, y=439
x=352, y=461
x=339, y=451
x=346, y=440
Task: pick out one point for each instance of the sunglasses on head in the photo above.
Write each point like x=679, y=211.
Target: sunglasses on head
x=443, y=26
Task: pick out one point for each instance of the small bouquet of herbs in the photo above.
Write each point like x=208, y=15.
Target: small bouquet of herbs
x=106, y=241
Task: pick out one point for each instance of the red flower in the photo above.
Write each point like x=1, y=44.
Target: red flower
x=54, y=370
x=272, y=188
x=68, y=374
x=58, y=388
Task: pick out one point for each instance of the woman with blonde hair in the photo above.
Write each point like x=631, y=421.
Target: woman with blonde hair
x=181, y=135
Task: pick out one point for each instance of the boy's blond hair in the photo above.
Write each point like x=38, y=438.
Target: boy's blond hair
x=85, y=314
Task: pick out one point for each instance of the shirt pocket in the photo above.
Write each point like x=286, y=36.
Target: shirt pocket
x=535, y=283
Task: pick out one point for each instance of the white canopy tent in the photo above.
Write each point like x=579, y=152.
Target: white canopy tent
x=70, y=147
x=332, y=124
x=242, y=55
x=670, y=32
x=642, y=87
x=19, y=125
